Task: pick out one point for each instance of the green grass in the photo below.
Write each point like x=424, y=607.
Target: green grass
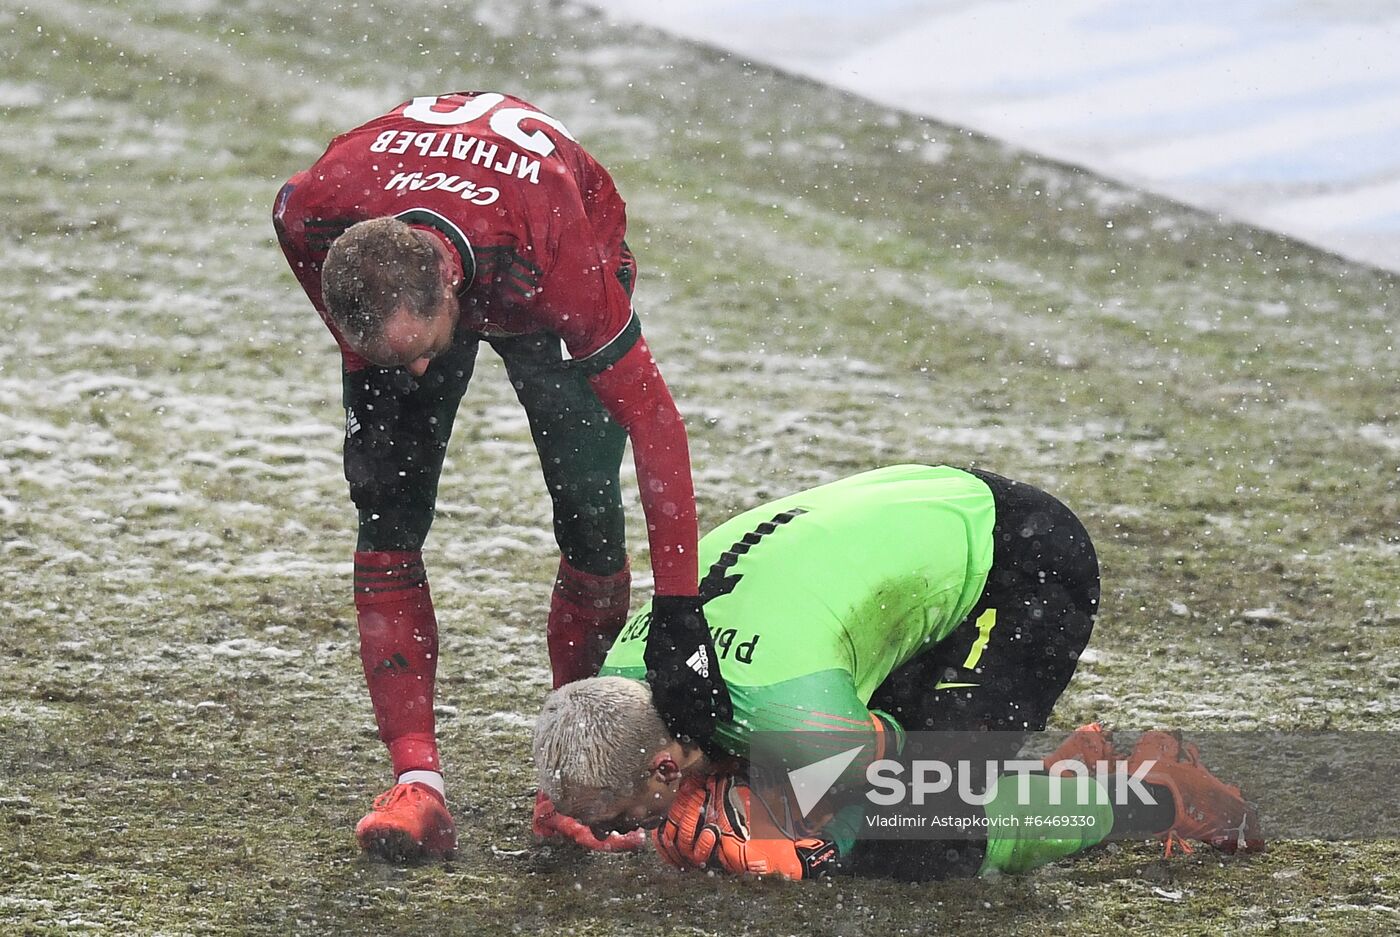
x=184, y=735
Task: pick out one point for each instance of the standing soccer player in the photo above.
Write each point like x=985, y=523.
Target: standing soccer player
x=449, y=221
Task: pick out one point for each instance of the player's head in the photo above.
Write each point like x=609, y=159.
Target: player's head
x=391, y=292
x=603, y=755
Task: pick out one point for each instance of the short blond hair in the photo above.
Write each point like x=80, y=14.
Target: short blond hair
x=595, y=737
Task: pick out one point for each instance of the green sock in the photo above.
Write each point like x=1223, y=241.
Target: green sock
x=843, y=828
x=1034, y=819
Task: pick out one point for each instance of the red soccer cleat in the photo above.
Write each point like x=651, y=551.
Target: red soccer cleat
x=1207, y=809
x=408, y=821
x=549, y=822
x=1088, y=745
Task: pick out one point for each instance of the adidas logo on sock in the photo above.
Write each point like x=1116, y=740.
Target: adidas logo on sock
x=700, y=662
x=352, y=423
x=396, y=664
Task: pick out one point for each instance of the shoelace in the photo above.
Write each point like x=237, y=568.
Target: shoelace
x=390, y=797
x=1174, y=840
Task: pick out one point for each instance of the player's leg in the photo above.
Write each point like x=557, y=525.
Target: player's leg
x=1000, y=672
x=1044, y=585
x=1004, y=668
x=580, y=450
x=397, y=430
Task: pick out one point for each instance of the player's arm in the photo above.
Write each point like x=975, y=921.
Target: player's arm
x=582, y=297
x=627, y=380
x=682, y=666
x=607, y=344
x=801, y=721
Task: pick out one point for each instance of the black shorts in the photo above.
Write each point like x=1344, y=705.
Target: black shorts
x=1003, y=668
x=398, y=429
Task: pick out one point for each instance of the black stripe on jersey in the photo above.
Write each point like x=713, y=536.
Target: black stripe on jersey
x=614, y=351
x=320, y=233
x=716, y=582
x=626, y=270
x=500, y=262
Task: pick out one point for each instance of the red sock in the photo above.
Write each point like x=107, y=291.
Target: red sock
x=585, y=615
x=399, y=648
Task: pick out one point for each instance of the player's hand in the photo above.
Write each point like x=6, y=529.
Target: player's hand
x=708, y=827
x=683, y=670
x=739, y=852
x=550, y=822
x=685, y=839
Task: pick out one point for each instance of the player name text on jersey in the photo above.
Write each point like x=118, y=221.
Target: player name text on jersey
x=461, y=147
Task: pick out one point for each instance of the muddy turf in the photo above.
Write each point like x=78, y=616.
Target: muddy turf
x=185, y=742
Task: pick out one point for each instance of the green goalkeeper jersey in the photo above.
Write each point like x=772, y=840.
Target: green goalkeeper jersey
x=813, y=599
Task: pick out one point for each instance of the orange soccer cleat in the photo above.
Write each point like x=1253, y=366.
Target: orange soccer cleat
x=408, y=821
x=1207, y=809
x=1089, y=744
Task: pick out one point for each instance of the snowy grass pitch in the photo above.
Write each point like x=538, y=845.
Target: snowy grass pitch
x=184, y=738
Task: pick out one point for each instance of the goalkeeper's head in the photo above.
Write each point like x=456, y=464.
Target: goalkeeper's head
x=604, y=757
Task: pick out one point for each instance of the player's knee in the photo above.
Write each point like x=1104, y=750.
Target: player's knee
x=596, y=545
x=597, y=557
x=369, y=488
x=382, y=472
x=394, y=528
x=589, y=524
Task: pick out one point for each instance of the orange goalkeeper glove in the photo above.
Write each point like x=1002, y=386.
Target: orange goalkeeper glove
x=708, y=827
x=685, y=840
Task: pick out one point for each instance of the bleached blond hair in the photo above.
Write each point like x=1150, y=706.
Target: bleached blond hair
x=595, y=738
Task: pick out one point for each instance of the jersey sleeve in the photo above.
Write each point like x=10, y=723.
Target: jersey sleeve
x=582, y=297
x=288, y=220
x=635, y=395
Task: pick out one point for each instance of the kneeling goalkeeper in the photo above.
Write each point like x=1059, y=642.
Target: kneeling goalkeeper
x=913, y=597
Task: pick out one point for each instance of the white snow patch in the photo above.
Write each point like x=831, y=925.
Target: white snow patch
x=272, y=564
x=163, y=501
x=511, y=719
x=248, y=647
x=25, y=95
x=1384, y=436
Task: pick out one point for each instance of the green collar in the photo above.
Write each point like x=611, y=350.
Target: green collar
x=428, y=218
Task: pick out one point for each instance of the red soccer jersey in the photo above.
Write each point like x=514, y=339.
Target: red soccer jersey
x=539, y=219
x=538, y=226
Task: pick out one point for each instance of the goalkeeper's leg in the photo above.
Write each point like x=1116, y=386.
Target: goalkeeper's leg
x=1000, y=672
